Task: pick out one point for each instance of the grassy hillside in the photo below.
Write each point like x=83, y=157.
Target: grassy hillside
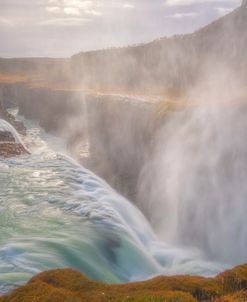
x=168, y=66
x=34, y=70
x=69, y=285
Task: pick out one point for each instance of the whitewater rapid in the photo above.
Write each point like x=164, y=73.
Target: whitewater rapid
x=55, y=214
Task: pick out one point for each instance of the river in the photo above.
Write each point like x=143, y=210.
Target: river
x=55, y=214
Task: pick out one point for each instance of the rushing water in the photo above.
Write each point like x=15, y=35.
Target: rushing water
x=55, y=214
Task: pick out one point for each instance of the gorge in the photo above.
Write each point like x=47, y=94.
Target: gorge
x=167, y=132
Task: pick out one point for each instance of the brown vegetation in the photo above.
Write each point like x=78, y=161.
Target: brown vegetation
x=12, y=78
x=69, y=285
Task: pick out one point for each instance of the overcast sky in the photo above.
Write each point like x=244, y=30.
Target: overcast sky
x=60, y=28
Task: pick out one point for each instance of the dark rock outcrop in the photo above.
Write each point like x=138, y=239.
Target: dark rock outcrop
x=8, y=145
x=11, y=149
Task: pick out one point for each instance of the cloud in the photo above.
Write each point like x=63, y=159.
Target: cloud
x=71, y=11
x=183, y=15
x=93, y=12
x=128, y=5
x=80, y=4
x=53, y=9
x=68, y=8
x=54, y=2
x=184, y=2
x=193, y=2
x=63, y=22
x=6, y=22
x=223, y=10
x=44, y=27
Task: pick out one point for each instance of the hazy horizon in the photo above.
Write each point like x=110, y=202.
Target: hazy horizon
x=61, y=28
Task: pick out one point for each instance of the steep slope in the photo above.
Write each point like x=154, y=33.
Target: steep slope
x=169, y=65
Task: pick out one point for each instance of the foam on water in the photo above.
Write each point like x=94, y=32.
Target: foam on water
x=55, y=213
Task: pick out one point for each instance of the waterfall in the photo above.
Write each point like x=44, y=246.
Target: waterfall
x=15, y=137
x=194, y=187
x=54, y=214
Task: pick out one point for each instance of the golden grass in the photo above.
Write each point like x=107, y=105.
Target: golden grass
x=12, y=78
x=71, y=286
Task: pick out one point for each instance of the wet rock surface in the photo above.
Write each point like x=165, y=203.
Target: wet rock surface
x=11, y=149
x=6, y=136
x=11, y=119
x=8, y=145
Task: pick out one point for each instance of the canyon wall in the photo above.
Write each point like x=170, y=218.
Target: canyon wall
x=170, y=66
x=116, y=130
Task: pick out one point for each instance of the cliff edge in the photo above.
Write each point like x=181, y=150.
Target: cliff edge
x=69, y=285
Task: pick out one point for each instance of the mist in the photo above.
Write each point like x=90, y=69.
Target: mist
x=193, y=187
x=142, y=147
x=63, y=28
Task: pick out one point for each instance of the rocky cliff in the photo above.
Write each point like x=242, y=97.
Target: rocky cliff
x=97, y=128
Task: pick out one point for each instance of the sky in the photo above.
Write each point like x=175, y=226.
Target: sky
x=61, y=28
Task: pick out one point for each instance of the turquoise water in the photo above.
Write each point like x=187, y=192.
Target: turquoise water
x=56, y=214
